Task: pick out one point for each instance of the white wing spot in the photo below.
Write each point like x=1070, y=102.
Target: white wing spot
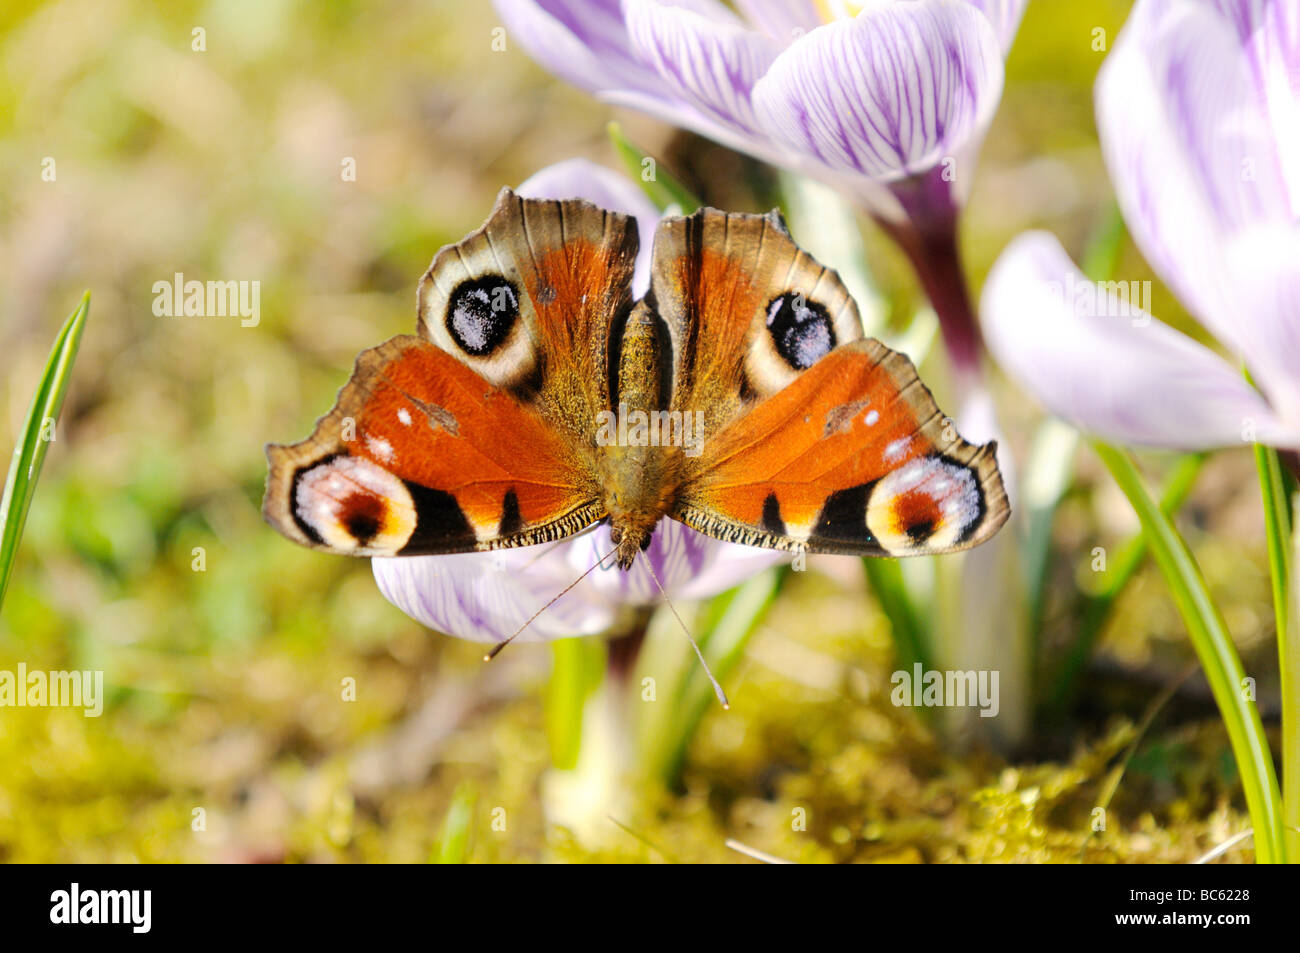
x=379, y=448
x=404, y=416
x=896, y=449
x=872, y=417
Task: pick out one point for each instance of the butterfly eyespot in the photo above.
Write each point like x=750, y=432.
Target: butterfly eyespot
x=481, y=312
x=929, y=504
x=801, y=329
x=350, y=504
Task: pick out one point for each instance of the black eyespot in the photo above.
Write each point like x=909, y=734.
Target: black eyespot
x=362, y=517
x=801, y=329
x=481, y=313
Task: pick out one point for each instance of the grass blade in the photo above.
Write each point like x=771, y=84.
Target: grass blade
x=911, y=640
x=1049, y=471
x=37, y=432
x=727, y=624
x=453, y=846
x=1213, y=644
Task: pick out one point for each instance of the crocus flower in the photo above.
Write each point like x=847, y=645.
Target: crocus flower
x=487, y=596
x=1198, y=107
x=886, y=101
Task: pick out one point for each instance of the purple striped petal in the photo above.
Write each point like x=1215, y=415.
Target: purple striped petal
x=579, y=178
x=888, y=94
x=707, y=59
x=689, y=565
x=1106, y=366
x=485, y=597
x=584, y=42
x=1269, y=33
x=1190, y=151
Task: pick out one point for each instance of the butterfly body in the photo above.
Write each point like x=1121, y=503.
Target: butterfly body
x=738, y=396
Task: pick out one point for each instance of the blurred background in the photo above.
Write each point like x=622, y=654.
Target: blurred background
x=223, y=683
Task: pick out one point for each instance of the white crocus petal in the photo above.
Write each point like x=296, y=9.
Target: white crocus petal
x=581, y=178
x=1005, y=16
x=1269, y=31
x=782, y=20
x=1264, y=262
x=1189, y=151
x=485, y=597
x=709, y=61
x=888, y=94
x=582, y=41
x=1108, y=367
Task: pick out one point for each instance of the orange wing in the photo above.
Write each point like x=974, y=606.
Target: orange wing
x=422, y=455
x=479, y=433
x=852, y=457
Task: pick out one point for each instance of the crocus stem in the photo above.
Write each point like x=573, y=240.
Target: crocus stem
x=624, y=647
x=928, y=236
x=1288, y=642
x=937, y=261
x=1213, y=645
x=1277, y=528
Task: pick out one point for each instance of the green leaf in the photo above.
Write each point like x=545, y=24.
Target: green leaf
x=1288, y=646
x=576, y=669
x=1213, y=644
x=726, y=625
x=1101, y=256
x=663, y=188
x=29, y=454
x=1049, y=471
x=1277, y=526
x=453, y=846
x=911, y=641
x=1096, y=608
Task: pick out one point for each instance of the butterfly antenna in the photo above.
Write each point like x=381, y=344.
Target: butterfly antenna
x=500, y=645
x=717, y=689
